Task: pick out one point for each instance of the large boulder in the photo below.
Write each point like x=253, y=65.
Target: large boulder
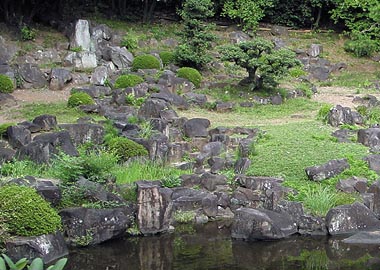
x=196, y=127
x=81, y=36
x=45, y=122
x=48, y=247
x=154, y=207
x=370, y=137
x=60, y=141
x=373, y=162
x=353, y=184
x=81, y=60
x=7, y=51
x=6, y=154
x=211, y=181
x=18, y=136
x=120, y=57
x=255, y=224
x=85, y=133
x=32, y=76
x=348, y=219
x=327, y=170
x=99, y=76
x=152, y=108
x=59, y=78
x=85, y=226
x=339, y=115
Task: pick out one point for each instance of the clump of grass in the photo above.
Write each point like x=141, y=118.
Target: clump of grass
x=184, y=216
x=144, y=170
x=323, y=112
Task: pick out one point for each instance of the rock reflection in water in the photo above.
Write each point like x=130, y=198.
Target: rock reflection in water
x=210, y=247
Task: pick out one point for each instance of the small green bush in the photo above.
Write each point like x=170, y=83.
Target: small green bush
x=97, y=165
x=28, y=33
x=145, y=61
x=360, y=47
x=6, y=84
x=129, y=41
x=323, y=112
x=79, y=98
x=129, y=80
x=125, y=148
x=167, y=57
x=190, y=74
x=27, y=213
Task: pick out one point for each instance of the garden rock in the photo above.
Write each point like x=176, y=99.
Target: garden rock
x=7, y=51
x=18, y=136
x=32, y=76
x=351, y=218
x=261, y=183
x=158, y=147
x=254, y=224
x=120, y=57
x=95, y=91
x=58, y=141
x=212, y=149
x=276, y=100
x=59, y=78
x=327, y=170
x=85, y=133
x=47, y=56
x=211, y=181
x=154, y=207
x=81, y=60
x=373, y=162
x=345, y=135
x=370, y=137
x=224, y=106
x=279, y=30
x=97, y=192
x=375, y=190
x=6, y=154
x=196, y=127
x=245, y=197
x=99, y=76
x=242, y=165
x=81, y=36
x=339, y=115
x=86, y=226
x=319, y=72
x=216, y=164
x=187, y=199
x=152, y=108
x=245, y=147
x=311, y=225
x=190, y=180
x=238, y=36
x=177, y=151
x=352, y=185
x=364, y=238
x=39, y=152
x=45, y=122
x=48, y=247
x=315, y=50
x=195, y=99
x=210, y=205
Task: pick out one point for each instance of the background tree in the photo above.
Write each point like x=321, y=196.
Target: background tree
x=264, y=64
x=196, y=35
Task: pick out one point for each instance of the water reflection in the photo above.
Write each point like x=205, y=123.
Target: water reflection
x=210, y=247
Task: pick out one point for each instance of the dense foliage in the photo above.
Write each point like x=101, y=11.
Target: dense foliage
x=190, y=74
x=264, y=64
x=166, y=57
x=125, y=148
x=26, y=213
x=128, y=80
x=79, y=98
x=6, y=84
x=145, y=61
x=197, y=35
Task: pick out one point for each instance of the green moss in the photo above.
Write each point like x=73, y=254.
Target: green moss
x=27, y=213
x=167, y=57
x=145, y=61
x=190, y=74
x=4, y=127
x=79, y=98
x=6, y=84
x=125, y=148
x=129, y=80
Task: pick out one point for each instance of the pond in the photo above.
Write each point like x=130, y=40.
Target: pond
x=210, y=247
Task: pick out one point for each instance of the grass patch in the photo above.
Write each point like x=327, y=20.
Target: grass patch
x=144, y=170
x=63, y=113
x=354, y=79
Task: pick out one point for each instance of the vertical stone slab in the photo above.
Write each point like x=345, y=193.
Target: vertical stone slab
x=154, y=207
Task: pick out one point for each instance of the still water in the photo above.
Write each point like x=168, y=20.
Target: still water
x=210, y=247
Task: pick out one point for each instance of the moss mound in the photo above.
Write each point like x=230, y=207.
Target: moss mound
x=167, y=57
x=190, y=74
x=129, y=80
x=26, y=213
x=6, y=84
x=125, y=148
x=145, y=61
x=79, y=98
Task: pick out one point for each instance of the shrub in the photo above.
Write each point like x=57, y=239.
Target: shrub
x=28, y=33
x=171, y=181
x=67, y=168
x=145, y=61
x=129, y=41
x=360, y=47
x=167, y=57
x=6, y=84
x=323, y=112
x=125, y=148
x=97, y=165
x=128, y=80
x=27, y=213
x=79, y=98
x=190, y=74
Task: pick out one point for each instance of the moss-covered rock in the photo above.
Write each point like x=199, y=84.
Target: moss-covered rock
x=145, y=61
x=190, y=74
x=129, y=80
x=167, y=57
x=125, y=148
x=79, y=98
x=26, y=213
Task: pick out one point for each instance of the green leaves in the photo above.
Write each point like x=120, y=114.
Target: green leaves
x=37, y=264
x=19, y=265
